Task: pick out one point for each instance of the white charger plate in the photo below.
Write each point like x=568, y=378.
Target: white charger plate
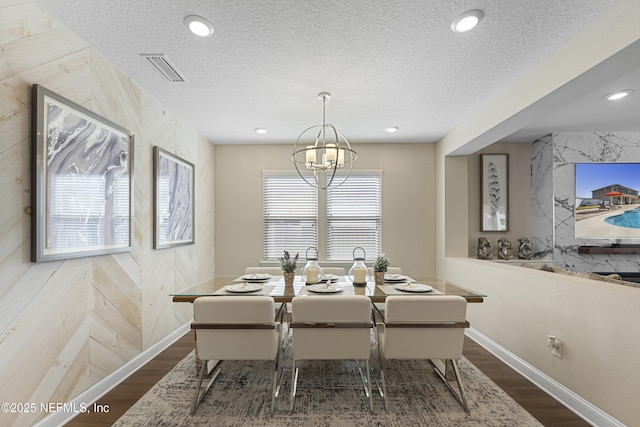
x=413, y=287
x=325, y=288
x=395, y=278
x=244, y=287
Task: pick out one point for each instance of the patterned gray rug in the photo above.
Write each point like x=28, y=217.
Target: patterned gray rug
x=329, y=394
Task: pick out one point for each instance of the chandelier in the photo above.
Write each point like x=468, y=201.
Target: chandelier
x=328, y=160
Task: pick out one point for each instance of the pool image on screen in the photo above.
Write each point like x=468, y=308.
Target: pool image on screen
x=607, y=201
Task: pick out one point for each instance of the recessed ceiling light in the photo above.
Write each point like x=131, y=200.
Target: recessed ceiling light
x=467, y=21
x=392, y=129
x=198, y=25
x=261, y=131
x=618, y=95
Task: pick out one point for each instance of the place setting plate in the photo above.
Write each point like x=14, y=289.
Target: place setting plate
x=324, y=288
x=256, y=278
x=395, y=278
x=244, y=287
x=413, y=287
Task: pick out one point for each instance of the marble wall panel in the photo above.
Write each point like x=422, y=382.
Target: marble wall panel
x=569, y=149
x=64, y=325
x=542, y=198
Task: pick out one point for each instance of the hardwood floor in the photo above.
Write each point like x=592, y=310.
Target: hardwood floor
x=539, y=404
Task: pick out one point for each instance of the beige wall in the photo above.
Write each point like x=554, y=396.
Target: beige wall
x=596, y=322
x=408, y=197
x=67, y=324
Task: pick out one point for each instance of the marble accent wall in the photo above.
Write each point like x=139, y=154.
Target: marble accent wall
x=65, y=325
x=568, y=149
x=542, y=198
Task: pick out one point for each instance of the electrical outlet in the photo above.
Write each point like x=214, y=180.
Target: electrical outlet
x=555, y=345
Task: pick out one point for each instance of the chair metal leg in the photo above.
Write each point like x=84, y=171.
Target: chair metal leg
x=364, y=381
x=277, y=379
x=197, y=397
x=383, y=392
x=461, y=397
x=278, y=376
x=294, y=385
x=368, y=392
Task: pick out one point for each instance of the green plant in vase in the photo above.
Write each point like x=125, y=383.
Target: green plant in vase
x=379, y=268
x=288, y=265
x=381, y=263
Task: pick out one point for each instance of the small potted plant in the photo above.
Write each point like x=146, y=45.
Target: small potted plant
x=380, y=268
x=288, y=265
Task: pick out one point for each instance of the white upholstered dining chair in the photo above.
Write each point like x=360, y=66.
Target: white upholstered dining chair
x=331, y=328
x=423, y=327
x=235, y=328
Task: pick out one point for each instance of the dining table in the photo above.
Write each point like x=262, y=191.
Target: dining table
x=275, y=287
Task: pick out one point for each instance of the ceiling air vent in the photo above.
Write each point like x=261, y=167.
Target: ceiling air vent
x=162, y=64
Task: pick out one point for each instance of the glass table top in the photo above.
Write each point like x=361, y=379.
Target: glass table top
x=275, y=287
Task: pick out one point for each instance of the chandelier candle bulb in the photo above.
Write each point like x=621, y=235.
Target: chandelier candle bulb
x=340, y=157
x=330, y=156
x=311, y=155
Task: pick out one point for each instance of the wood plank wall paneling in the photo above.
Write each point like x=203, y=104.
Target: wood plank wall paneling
x=65, y=325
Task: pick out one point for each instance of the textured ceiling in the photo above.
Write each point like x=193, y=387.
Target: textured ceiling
x=386, y=63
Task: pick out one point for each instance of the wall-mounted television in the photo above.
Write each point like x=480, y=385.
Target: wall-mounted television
x=607, y=201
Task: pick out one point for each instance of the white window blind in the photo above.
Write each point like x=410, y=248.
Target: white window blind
x=290, y=215
x=354, y=216
x=83, y=212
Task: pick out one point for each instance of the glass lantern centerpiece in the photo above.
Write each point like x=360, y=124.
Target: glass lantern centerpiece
x=359, y=273
x=311, y=272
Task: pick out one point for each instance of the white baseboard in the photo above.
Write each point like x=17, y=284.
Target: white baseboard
x=587, y=411
x=105, y=385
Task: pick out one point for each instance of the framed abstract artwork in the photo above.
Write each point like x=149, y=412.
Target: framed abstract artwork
x=494, y=192
x=82, y=181
x=173, y=201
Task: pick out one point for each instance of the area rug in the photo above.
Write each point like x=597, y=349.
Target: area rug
x=329, y=394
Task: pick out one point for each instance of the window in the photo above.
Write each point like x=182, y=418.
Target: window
x=348, y=216
x=353, y=217
x=290, y=208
